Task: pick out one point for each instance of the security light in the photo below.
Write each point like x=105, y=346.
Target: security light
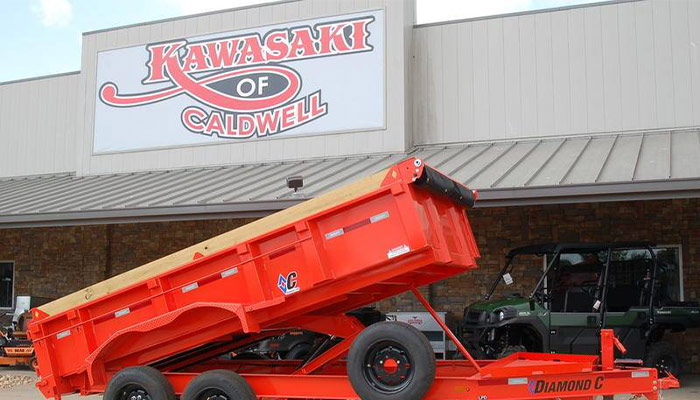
x=295, y=182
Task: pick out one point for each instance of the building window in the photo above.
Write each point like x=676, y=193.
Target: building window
x=670, y=272
x=7, y=284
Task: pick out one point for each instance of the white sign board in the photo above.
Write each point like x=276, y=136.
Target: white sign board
x=315, y=76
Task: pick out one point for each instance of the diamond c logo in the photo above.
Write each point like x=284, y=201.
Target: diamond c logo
x=288, y=284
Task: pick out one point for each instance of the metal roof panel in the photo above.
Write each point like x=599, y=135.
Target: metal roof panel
x=624, y=165
x=560, y=162
x=685, y=154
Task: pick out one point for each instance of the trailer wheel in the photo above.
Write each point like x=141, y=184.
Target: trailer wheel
x=218, y=385
x=139, y=383
x=391, y=361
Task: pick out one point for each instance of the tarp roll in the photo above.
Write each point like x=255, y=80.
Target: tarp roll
x=440, y=184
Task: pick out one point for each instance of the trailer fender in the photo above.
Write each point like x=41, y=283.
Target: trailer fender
x=238, y=310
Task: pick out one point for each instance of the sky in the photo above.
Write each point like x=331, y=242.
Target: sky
x=42, y=37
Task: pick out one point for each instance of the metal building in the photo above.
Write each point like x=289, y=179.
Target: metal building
x=578, y=123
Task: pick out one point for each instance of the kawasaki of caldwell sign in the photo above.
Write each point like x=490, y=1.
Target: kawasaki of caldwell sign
x=308, y=77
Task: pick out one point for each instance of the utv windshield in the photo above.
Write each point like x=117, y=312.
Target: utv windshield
x=518, y=278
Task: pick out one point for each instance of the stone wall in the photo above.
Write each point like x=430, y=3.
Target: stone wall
x=55, y=261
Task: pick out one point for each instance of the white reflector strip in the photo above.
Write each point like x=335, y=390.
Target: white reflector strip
x=379, y=217
x=63, y=335
x=335, y=233
x=517, y=381
x=229, y=272
x=640, y=374
x=122, y=313
x=191, y=286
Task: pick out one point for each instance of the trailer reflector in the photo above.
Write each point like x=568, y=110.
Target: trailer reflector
x=330, y=235
x=63, y=334
x=122, y=313
x=229, y=272
x=190, y=287
x=517, y=381
x=640, y=374
x=379, y=217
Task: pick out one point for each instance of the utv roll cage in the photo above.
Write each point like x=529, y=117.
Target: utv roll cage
x=555, y=249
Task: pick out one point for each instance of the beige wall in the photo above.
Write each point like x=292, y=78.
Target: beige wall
x=633, y=65
x=38, y=120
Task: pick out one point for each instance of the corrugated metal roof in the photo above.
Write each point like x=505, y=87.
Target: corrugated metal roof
x=527, y=171
x=574, y=160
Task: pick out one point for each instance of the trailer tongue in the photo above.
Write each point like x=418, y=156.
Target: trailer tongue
x=157, y=332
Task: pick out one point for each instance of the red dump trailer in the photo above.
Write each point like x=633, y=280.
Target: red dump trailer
x=159, y=332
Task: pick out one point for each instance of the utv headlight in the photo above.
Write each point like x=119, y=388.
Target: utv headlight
x=505, y=313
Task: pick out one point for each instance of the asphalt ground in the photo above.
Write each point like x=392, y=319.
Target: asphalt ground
x=690, y=389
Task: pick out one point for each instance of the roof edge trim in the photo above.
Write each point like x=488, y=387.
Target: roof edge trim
x=522, y=13
x=201, y=14
x=540, y=195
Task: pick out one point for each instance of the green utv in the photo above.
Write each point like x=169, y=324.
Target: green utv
x=633, y=288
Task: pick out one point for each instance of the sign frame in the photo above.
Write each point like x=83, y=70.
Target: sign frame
x=256, y=139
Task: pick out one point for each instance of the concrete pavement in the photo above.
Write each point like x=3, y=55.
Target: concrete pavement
x=690, y=390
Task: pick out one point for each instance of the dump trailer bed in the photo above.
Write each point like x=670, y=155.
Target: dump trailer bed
x=305, y=267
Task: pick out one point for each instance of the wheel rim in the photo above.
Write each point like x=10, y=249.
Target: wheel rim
x=213, y=394
x=665, y=364
x=388, y=367
x=134, y=392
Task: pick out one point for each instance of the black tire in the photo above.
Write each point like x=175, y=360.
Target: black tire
x=512, y=349
x=412, y=368
x=131, y=382
x=219, y=384
x=298, y=352
x=663, y=357
x=33, y=364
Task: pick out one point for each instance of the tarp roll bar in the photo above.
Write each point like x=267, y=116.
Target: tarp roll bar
x=441, y=184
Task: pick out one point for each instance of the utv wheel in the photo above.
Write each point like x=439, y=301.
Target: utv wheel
x=508, y=350
x=218, y=385
x=298, y=352
x=391, y=361
x=139, y=383
x=663, y=357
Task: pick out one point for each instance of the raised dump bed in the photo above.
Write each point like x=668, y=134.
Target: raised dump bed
x=157, y=331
